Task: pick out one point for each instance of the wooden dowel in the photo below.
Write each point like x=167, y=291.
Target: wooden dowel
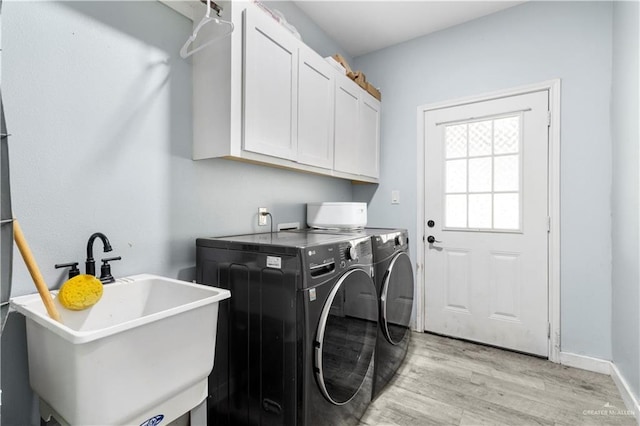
x=32, y=266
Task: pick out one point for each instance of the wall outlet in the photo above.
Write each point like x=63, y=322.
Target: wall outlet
x=262, y=217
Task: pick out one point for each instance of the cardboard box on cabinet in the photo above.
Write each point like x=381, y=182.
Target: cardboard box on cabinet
x=374, y=92
x=358, y=76
x=361, y=79
x=342, y=61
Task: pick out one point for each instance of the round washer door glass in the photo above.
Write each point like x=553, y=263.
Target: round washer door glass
x=396, y=298
x=346, y=336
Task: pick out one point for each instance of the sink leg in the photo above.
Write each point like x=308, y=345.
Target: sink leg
x=198, y=415
x=49, y=417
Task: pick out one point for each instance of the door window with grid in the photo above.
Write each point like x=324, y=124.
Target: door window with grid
x=482, y=175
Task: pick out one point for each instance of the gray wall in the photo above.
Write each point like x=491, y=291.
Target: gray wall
x=626, y=192
x=99, y=105
x=526, y=44
x=318, y=39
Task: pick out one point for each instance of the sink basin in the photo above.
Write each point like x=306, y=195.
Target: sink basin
x=143, y=351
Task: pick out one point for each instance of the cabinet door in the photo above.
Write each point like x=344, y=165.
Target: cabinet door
x=369, y=134
x=315, y=109
x=346, y=149
x=270, y=92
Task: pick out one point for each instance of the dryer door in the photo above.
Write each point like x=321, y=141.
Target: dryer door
x=396, y=299
x=345, y=341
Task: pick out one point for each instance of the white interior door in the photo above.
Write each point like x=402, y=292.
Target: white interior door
x=487, y=222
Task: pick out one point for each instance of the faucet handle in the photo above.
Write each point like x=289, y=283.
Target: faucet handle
x=105, y=270
x=73, y=271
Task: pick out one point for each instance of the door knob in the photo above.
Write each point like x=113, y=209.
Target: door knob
x=431, y=239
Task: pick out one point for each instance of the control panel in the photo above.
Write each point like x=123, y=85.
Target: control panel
x=322, y=260
x=326, y=259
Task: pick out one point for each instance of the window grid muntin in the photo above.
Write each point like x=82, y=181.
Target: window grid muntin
x=467, y=157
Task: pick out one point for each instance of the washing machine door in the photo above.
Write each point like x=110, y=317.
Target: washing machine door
x=396, y=299
x=346, y=338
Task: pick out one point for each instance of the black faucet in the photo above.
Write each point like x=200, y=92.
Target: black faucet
x=90, y=264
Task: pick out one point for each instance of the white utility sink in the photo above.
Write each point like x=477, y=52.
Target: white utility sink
x=143, y=352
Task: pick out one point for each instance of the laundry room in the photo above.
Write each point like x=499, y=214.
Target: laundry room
x=491, y=146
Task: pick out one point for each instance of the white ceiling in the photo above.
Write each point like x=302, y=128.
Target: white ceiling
x=363, y=26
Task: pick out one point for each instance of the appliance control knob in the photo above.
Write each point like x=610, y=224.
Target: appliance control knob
x=399, y=240
x=351, y=253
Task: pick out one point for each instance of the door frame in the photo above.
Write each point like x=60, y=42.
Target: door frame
x=553, y=87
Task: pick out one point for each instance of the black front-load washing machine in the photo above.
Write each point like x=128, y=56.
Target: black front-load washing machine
x=395, y=287
x=395, y=290
x=296, y=339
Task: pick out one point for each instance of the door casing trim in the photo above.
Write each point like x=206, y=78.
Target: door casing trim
x=553, y=87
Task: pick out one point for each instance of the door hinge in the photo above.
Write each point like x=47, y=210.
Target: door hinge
x=549, y=330
x=548, y=118
x=548, y=224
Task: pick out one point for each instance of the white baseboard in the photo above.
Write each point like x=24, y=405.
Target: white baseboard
x=604, y=367
x=630, y=400
x=586, y=363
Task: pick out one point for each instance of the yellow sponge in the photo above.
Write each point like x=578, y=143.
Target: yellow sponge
x=80, y=292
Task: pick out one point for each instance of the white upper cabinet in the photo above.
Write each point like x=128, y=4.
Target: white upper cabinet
x=270, y=87
x=357, y=130
x=369, y=136
x=263, y=96
x=346, y=126
x=315, y=109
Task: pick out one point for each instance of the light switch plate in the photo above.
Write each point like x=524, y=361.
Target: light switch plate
x=395, y=197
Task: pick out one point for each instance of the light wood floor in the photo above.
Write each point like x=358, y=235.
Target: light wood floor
x=450, y=382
